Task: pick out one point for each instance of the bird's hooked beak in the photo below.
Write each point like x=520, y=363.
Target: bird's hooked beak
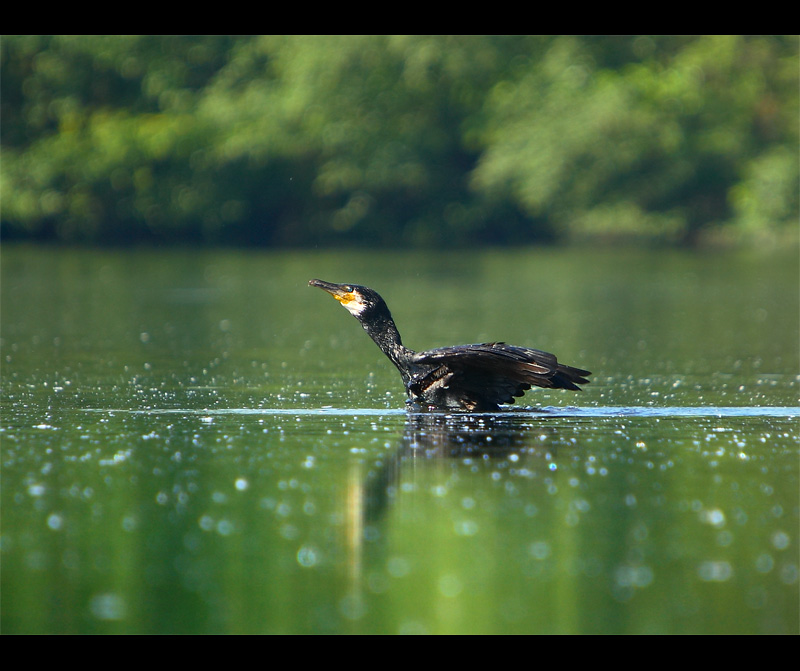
x=343, y=293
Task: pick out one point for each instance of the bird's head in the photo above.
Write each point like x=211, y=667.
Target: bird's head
x=361, y=302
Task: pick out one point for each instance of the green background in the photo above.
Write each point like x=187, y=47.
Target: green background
x=403, y=140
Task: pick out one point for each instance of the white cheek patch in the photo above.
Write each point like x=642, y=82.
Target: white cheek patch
x=354, y=307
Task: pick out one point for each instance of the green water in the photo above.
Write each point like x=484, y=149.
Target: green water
x=198, y=442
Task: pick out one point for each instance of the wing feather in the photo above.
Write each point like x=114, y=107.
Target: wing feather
x=497, y=372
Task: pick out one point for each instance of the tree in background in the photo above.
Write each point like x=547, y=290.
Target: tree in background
x=398, y=140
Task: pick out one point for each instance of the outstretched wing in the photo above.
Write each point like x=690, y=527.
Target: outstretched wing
x=496, y=372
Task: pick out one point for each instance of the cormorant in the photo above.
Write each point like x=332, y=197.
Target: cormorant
x=466, y=377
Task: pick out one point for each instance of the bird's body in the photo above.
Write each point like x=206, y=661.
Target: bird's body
x=474, y=378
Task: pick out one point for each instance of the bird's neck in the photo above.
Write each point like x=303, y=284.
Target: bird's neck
x=387, y=337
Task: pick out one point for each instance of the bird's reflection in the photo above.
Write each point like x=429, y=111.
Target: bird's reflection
x=439, y=436
x=460, y=435
x=433, y=439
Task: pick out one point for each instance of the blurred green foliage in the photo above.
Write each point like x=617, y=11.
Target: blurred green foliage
x=428, y=141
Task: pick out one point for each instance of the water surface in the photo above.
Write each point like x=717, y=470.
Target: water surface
x=197, y=442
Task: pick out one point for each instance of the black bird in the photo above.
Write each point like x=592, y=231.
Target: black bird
x=466, y=377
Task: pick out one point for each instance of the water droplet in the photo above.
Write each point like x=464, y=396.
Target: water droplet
x=780, y=540
x=715, y=571
x=450, y=586
x=108, y=606
x=466, y=528
x=353, y=607
x=539, y=550
x=307, y=556
x=715, y=517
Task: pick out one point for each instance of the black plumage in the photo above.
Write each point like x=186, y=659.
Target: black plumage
x=475, y=378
